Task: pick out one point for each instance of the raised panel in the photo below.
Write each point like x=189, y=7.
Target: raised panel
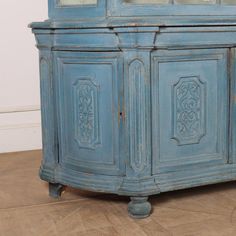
x=190, y=108
x=45, y=83
x=232, y=129
x=47, y=110
x=89, y=112
x=137, y=121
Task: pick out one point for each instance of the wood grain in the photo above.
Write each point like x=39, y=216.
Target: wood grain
x=26, y=209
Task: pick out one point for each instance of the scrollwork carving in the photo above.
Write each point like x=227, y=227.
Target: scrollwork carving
x=86, y=113
x=189, y=110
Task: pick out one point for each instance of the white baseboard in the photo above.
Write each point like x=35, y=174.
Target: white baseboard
x=14, y=109
x=20, y=130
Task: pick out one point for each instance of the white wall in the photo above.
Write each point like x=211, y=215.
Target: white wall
x=19, y=75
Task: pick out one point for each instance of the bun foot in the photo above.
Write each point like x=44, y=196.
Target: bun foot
x=55, y=190
x=139, y=207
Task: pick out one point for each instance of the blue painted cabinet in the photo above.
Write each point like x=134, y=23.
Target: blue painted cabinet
x=138, y=97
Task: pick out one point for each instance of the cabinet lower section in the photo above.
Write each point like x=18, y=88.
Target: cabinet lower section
x=138, y=120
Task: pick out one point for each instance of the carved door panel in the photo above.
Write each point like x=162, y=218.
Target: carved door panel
x=190, y=102
x=89, y=114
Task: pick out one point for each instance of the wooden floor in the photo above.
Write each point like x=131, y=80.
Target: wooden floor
x=26, y=209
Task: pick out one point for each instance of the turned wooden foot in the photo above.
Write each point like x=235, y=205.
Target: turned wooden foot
x=55, y=190
x=139, y=207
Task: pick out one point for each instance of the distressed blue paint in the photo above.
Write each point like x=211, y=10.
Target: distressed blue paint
x=134, y=108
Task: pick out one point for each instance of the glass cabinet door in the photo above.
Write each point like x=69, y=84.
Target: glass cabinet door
x=195, y=1
x=147, y=1
x=77, y=2
x=186, y=2
x=230, y=2
x=77, y=9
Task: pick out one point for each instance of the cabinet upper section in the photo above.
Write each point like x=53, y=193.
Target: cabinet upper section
x=131, y=10
x=145, y=2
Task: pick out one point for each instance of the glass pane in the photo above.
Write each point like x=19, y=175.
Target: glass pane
x=147, y=1
x=177, y=1
x=185, y=2
x=231, y=2
x=195, y=1
x=77, y=2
